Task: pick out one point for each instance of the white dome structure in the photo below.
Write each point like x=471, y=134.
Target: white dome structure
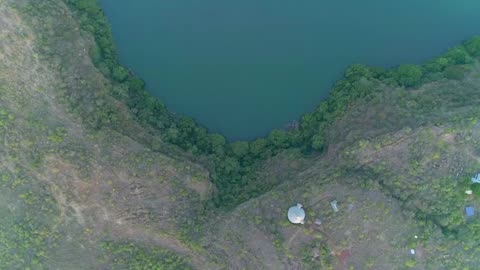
x=296, y=214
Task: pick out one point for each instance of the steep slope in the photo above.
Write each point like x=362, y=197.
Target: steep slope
x=67, y=190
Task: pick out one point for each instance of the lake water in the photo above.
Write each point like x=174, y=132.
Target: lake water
x=244, y=67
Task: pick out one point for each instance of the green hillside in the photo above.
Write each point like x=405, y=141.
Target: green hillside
x=97, y=174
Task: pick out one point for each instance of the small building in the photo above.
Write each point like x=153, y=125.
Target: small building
x=296, y=214
x=334, y=206
x=469, y=211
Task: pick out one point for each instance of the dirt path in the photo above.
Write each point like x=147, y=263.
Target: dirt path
x=293, y=237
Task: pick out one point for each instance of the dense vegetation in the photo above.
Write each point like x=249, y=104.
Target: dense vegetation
x=235, y=163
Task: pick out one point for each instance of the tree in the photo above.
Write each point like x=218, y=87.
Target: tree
x=258, y=147
x=119, y=74
x=230, y=166
x=89, y=6
x=475, y=188
x=437, y=65
x=217, y=143
x=473, y=46
x=187, y=126
x=239, y=148
x=457, y=55
x=309, y=124
x=408, y=75
x=135, y=84
x=278, y=138
x=318, y=142
x=172, y=135
x=357, y=71
x=202, y=140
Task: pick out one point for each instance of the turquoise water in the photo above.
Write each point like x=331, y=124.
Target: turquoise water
x=244, y=67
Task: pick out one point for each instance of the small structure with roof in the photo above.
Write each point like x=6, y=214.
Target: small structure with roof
x=334, y=206
x=296, y=214
x=469, y=211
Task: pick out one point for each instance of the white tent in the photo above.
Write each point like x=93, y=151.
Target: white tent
x=296, y=214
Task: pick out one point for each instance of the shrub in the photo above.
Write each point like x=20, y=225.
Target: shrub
x=408, y=75
x=473, y=46
x=475, y=187
x=455, y=73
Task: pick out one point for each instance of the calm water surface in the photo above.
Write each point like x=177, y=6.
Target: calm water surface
x=244, y=67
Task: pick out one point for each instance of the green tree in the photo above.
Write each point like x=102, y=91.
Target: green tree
x=202, y=140
x=318, y=142
x=135, y=84
x=187, y=126
x=239, y=148
x=475, y=188
x=230, y=166
x=309, y=123
x=119, y=73
x=437, y=65
x=258, y=147
x=90, y=6
x=457, y=55
x=473, y=46
x=357, y=71
x=217, y=143
x=278, y=138
x=408, y=75
x=172, y=134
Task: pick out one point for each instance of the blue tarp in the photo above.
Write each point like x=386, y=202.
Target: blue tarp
x=469, y=211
